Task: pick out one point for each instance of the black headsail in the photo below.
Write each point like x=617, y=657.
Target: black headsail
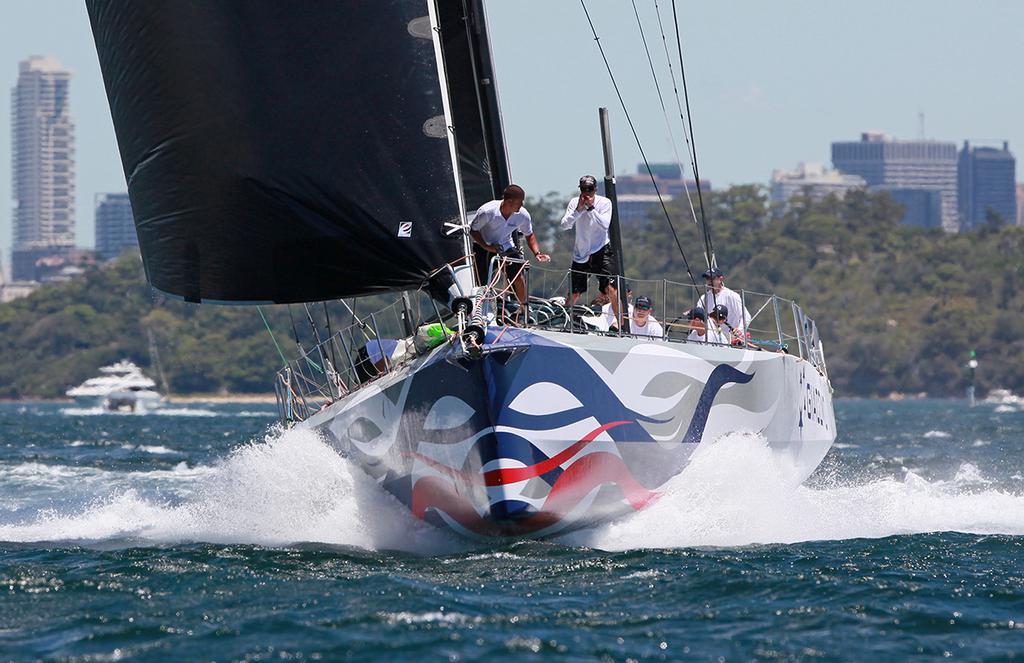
x=279, y=151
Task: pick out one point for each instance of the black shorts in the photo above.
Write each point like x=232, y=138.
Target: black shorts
x=514, y=269
x=601, y=262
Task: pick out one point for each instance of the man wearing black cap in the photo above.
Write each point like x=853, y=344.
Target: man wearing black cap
x=738, y=317
x=592, y=253
x=704, y=328
x=697, y=323
x=718, y=328
x=642, y=323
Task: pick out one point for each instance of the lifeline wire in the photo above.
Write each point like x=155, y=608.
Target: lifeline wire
x=643, y=155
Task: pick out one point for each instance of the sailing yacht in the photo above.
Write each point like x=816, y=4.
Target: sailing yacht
x=277, y=154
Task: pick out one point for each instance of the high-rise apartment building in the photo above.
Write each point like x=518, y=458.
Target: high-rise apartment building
x=886, y=163
x=43, y=165
x=115, y=227
x=987, y=180
x=813, y=180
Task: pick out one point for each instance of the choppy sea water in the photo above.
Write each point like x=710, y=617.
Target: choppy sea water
x=204, y=532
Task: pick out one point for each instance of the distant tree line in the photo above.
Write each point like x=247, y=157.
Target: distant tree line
x=899, y=308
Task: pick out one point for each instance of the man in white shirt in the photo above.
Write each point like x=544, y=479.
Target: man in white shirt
x=717, y=293
x=493, y=226
x=718, y=328
x=642, y=323
x=705, y=329
x=592, y=253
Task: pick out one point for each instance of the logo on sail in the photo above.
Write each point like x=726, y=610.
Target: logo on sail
x=405, y=229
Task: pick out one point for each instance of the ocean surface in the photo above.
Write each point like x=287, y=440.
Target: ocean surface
x=206, y=533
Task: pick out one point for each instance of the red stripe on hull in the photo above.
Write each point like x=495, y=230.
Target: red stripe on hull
x=503, y=476
x=575, y=483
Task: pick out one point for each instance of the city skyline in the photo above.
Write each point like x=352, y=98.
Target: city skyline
x=768, y=88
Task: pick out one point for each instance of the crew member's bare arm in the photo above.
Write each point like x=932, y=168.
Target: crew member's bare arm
x=531, y=241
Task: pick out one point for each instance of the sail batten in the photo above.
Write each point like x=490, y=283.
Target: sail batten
x=277, y=152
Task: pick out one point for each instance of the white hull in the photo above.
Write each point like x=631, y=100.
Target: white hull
x=550, y=431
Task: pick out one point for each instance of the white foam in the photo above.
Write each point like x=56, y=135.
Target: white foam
x=432, y=617
x=936, y=434
x=149, y=449
x=163, y=412
x=183, y=412
x=736, y=492
x=292, y=487
x=289, y=488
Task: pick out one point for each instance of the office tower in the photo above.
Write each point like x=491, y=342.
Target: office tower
x=986, y=180
x=886, y=163
x=115, y=226
x=1020, y=204
x=43, y=165
x=813, y=180
x=922, y=207
x=637, y=196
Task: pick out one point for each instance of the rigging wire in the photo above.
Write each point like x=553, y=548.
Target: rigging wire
x=708, y=246
x=682, y=119
x=272, y=337
x=636, y=138
x=664, y=111
x=298, y=343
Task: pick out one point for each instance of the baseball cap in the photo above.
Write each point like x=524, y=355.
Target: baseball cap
x=643, y=302
x=696, y=313
x=588, y=183
x=713, y=272
x=720, y=311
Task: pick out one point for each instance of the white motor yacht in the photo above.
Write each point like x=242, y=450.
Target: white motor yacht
x=120, y=387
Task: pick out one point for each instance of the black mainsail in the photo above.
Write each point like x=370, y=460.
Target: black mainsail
x=283, y=152
x=483, y=163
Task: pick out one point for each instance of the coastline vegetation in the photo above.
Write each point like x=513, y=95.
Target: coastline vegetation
x=898, y=308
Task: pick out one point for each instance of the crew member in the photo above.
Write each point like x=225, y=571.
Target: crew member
x=592, y=252
x=493, y=226
x=642, y=323
x=718, y=328
x=717, y=293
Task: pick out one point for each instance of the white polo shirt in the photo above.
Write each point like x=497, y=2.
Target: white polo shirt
x=496, y=229
x=591, y=226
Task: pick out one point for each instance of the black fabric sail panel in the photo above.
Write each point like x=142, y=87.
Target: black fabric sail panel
x=279, y=151
x=476, y=122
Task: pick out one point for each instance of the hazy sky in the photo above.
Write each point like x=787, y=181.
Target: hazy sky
x=771, y=83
